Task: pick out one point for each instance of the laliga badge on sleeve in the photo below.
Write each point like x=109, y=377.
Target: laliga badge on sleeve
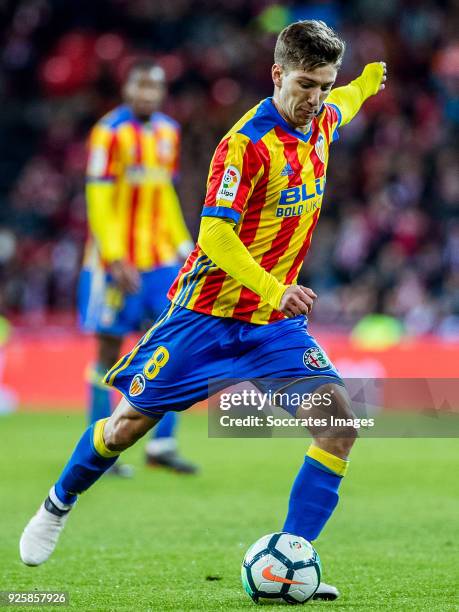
x=229, y=185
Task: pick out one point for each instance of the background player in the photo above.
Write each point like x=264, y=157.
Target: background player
x=138, y=235
x=236, y=310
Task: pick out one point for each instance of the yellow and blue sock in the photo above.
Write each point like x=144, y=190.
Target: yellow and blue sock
x=166, y=427
x=99, y=395
x=90, y=459
x=314, y=494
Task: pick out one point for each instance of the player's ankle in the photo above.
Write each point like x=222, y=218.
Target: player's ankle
x=60, y=506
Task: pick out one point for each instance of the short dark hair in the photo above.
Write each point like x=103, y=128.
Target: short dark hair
x=142, y=65
x=307, y=45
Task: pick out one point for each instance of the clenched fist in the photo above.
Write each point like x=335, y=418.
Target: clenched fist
x=297, y=300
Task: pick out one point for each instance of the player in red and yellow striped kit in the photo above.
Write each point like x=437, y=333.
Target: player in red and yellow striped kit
x=268, y=179
x=236, y=311
x=137, y=235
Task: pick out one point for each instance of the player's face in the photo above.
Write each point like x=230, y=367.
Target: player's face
x=299, y=94
x=145, y=91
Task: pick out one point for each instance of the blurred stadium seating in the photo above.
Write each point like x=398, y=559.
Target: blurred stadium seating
x=388, y=240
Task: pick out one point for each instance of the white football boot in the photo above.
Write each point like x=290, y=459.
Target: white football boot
x=42, y=532
x=326, y=592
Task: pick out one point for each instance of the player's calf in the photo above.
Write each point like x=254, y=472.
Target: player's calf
x=339, y=434
x=125, y=427
x=96, y=451
x=314, y=495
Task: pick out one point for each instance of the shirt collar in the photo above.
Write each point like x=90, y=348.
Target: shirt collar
x=269, y=103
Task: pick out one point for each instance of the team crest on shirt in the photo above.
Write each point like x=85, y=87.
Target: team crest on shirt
x=315, y=359
x=319, y=148
x=229, y=185
x=137, y=385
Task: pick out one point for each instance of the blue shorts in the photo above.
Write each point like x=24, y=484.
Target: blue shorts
x=104, y=309
x=170, y=367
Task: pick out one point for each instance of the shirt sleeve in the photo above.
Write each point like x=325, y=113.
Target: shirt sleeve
x=235, y=169
x=176, y=158
x=220, y=243
x=347, y=100
x=103, y=158
x=102, y=171
x=333, y=119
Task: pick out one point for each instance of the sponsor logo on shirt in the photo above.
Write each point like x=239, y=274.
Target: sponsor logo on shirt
x=288, y=170
x=294, y=201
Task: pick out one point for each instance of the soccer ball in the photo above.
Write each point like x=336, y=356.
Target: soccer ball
x=281, y=567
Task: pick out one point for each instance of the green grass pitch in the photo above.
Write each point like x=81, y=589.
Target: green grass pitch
x=168, y=542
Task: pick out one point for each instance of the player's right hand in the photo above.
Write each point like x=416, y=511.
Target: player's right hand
x=126, y=277
x=297, y=300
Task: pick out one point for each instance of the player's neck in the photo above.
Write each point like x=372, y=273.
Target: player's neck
x=303, y=129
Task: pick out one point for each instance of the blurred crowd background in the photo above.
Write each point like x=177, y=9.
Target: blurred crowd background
x=388, y=238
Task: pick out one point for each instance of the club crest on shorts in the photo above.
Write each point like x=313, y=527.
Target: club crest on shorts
x=137, y=385
x=315, y=359
x=320, y=148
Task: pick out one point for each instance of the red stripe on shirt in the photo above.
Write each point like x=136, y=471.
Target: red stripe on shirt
x=154, y=224
x=111, y=156
x=135, y=193
x=292, y=274
x=326, y=126
x=318, y=165
x=209, y=291
x=248, y=300
x=251, y=165
x=294, y=270
x=216, y=172
x=185, y=268
x=276, y=315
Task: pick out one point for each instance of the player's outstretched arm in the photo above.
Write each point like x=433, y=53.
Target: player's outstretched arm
x=220, y=243
x=350, y=98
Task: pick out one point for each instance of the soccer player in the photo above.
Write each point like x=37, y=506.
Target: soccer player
x=236, y=310
x=137, y=238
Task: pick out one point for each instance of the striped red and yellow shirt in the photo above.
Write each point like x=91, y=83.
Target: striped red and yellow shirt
x=269, y=179
x=138, y=218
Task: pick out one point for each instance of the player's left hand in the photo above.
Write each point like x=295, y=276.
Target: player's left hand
x=375, y=76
